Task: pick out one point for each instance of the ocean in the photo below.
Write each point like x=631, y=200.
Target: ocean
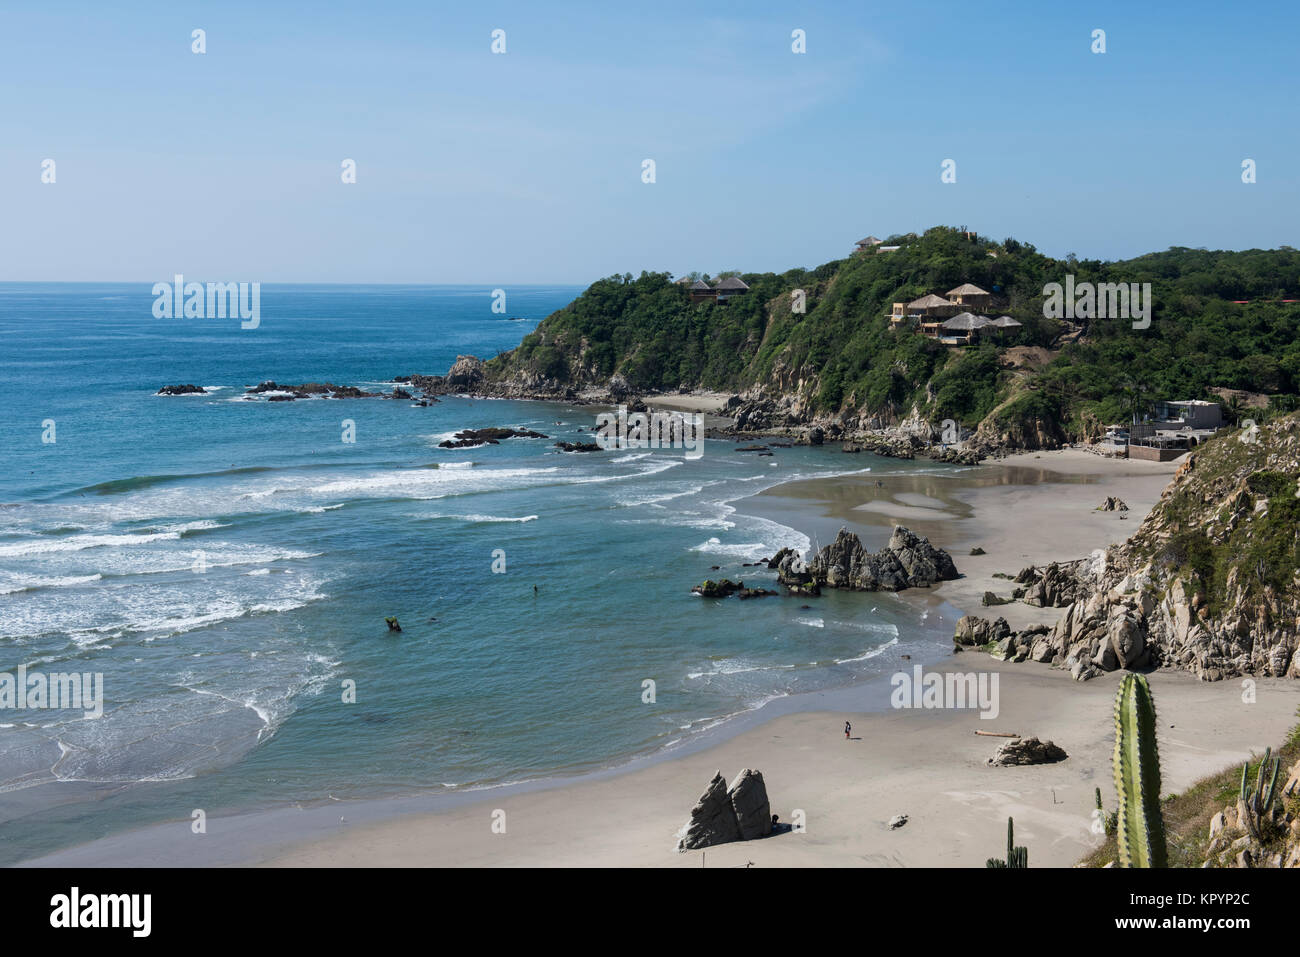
x=227, y=564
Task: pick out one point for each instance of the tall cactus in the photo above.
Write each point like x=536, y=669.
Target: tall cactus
x=1017, y=857
x=1139, y=828
x=1257, y=804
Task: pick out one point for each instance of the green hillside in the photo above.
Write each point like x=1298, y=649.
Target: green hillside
x=841, y=357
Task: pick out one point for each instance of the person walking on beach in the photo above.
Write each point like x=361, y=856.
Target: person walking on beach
x=847, y=728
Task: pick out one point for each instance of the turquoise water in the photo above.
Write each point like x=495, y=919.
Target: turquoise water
x=227, y=566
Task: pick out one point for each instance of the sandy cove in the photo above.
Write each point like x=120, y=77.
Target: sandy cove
x=929, y=765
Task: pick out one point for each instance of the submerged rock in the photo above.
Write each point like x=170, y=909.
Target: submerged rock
x=182, y=390
x=469, y=438
x=577, y=446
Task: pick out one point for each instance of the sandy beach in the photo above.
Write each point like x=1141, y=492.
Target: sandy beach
x=927, y=764
x=1026, y=509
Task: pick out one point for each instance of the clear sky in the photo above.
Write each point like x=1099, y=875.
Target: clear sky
x=526, y=167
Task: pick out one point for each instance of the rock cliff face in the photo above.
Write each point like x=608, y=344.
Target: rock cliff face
x=908, y=561
x=1210, y=581
x=722, y=814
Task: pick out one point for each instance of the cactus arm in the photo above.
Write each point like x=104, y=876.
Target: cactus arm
x=1140, y=832
x=1271, y=793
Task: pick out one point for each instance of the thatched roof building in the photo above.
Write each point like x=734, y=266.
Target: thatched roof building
x=929, y=302
x=966, y=322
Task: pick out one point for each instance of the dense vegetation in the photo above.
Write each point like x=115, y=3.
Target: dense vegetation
x=843, y=357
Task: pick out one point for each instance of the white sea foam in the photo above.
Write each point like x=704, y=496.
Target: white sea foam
x=869, y=653
x=11, y=584
x=76, y=543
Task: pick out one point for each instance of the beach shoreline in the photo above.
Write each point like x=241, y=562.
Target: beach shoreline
x=628, y=815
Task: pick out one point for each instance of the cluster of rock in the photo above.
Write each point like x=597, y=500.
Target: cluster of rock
x=1147, y=604
x=723, y=814
x=726, y=587
x=182, y=390
x=471, y=438
x=1058, y=585
x=1021, y=751
x=316, y=390
x=578, y=446
x=907, y=561
x=997, y=638
x=1231, y=843
x=1112, y=504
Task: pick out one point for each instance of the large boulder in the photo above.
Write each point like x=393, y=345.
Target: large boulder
x=973, y=630
x=741, y=812
x=1019, y=751
x=749, y=800
x=713, y=819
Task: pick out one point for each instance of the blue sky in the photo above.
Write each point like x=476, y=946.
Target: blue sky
x=526, y=167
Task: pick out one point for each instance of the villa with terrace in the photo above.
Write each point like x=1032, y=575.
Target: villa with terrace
x=700, y=290
x=948, y=317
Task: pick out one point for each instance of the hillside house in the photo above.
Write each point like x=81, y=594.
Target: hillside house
x=971, y=296
x=701, y=290
x=731, y=286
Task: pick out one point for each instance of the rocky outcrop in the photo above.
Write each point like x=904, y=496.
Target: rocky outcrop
x=578, y=446
x=182, y=390
x=998, y=432
x=973, y=630
x=471, y=438
x=726, y=587
x=1000, y=641
x=793, y=573
x=775, y=561
x=907, y=561
x=1112, y=504
x=279, y=392
x=1056, y=586
x=1208, y=582
x=465, y=375
x=739, y=813
x=1020, y=751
